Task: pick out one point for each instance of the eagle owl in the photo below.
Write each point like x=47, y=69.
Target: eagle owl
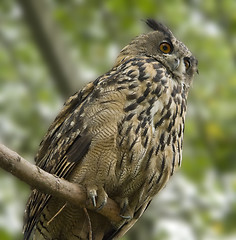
x=120, y=137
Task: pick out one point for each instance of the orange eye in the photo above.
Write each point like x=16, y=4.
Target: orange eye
x=186, y=63
x=165, y=47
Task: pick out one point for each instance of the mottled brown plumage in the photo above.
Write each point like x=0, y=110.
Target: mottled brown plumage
x=121, y=136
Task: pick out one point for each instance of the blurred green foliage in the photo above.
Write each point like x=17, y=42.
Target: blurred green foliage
x=200, y=201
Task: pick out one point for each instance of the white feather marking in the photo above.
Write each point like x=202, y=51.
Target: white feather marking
x=157, y=106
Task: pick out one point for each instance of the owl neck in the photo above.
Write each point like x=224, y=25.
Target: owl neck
x=122, y=58
x=129, y=51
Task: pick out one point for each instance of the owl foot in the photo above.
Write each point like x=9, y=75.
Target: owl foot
x=97, y=197
x=125, y=211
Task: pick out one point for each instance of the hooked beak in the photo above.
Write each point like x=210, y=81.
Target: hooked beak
x=175, y=64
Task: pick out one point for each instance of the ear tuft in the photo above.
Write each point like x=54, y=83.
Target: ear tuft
x=157, y=26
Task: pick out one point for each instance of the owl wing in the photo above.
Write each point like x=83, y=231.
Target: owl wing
x=56, y=154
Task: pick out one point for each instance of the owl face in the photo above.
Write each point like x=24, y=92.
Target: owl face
x=171, y=53
x=162, y=45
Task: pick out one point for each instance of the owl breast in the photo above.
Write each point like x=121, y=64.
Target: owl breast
x=150, y=132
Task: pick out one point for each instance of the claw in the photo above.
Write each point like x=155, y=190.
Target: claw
x=102, y=198
x=96, y=196
x=92, y=195
x=125, y=217
x=102, y=205
x=125, y=211
x=94, y=201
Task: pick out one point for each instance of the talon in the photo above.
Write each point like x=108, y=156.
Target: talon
x=125, y=211
x=97, y=197
x=92, y=195
x=102, y=198
x=101, y=206
x=124, y=206
x=94, y=201
x=125, y=217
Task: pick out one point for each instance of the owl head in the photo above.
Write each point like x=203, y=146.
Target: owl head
x=162, y=46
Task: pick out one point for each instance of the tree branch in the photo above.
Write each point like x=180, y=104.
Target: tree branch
x=50, y=184
x=48, y=36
